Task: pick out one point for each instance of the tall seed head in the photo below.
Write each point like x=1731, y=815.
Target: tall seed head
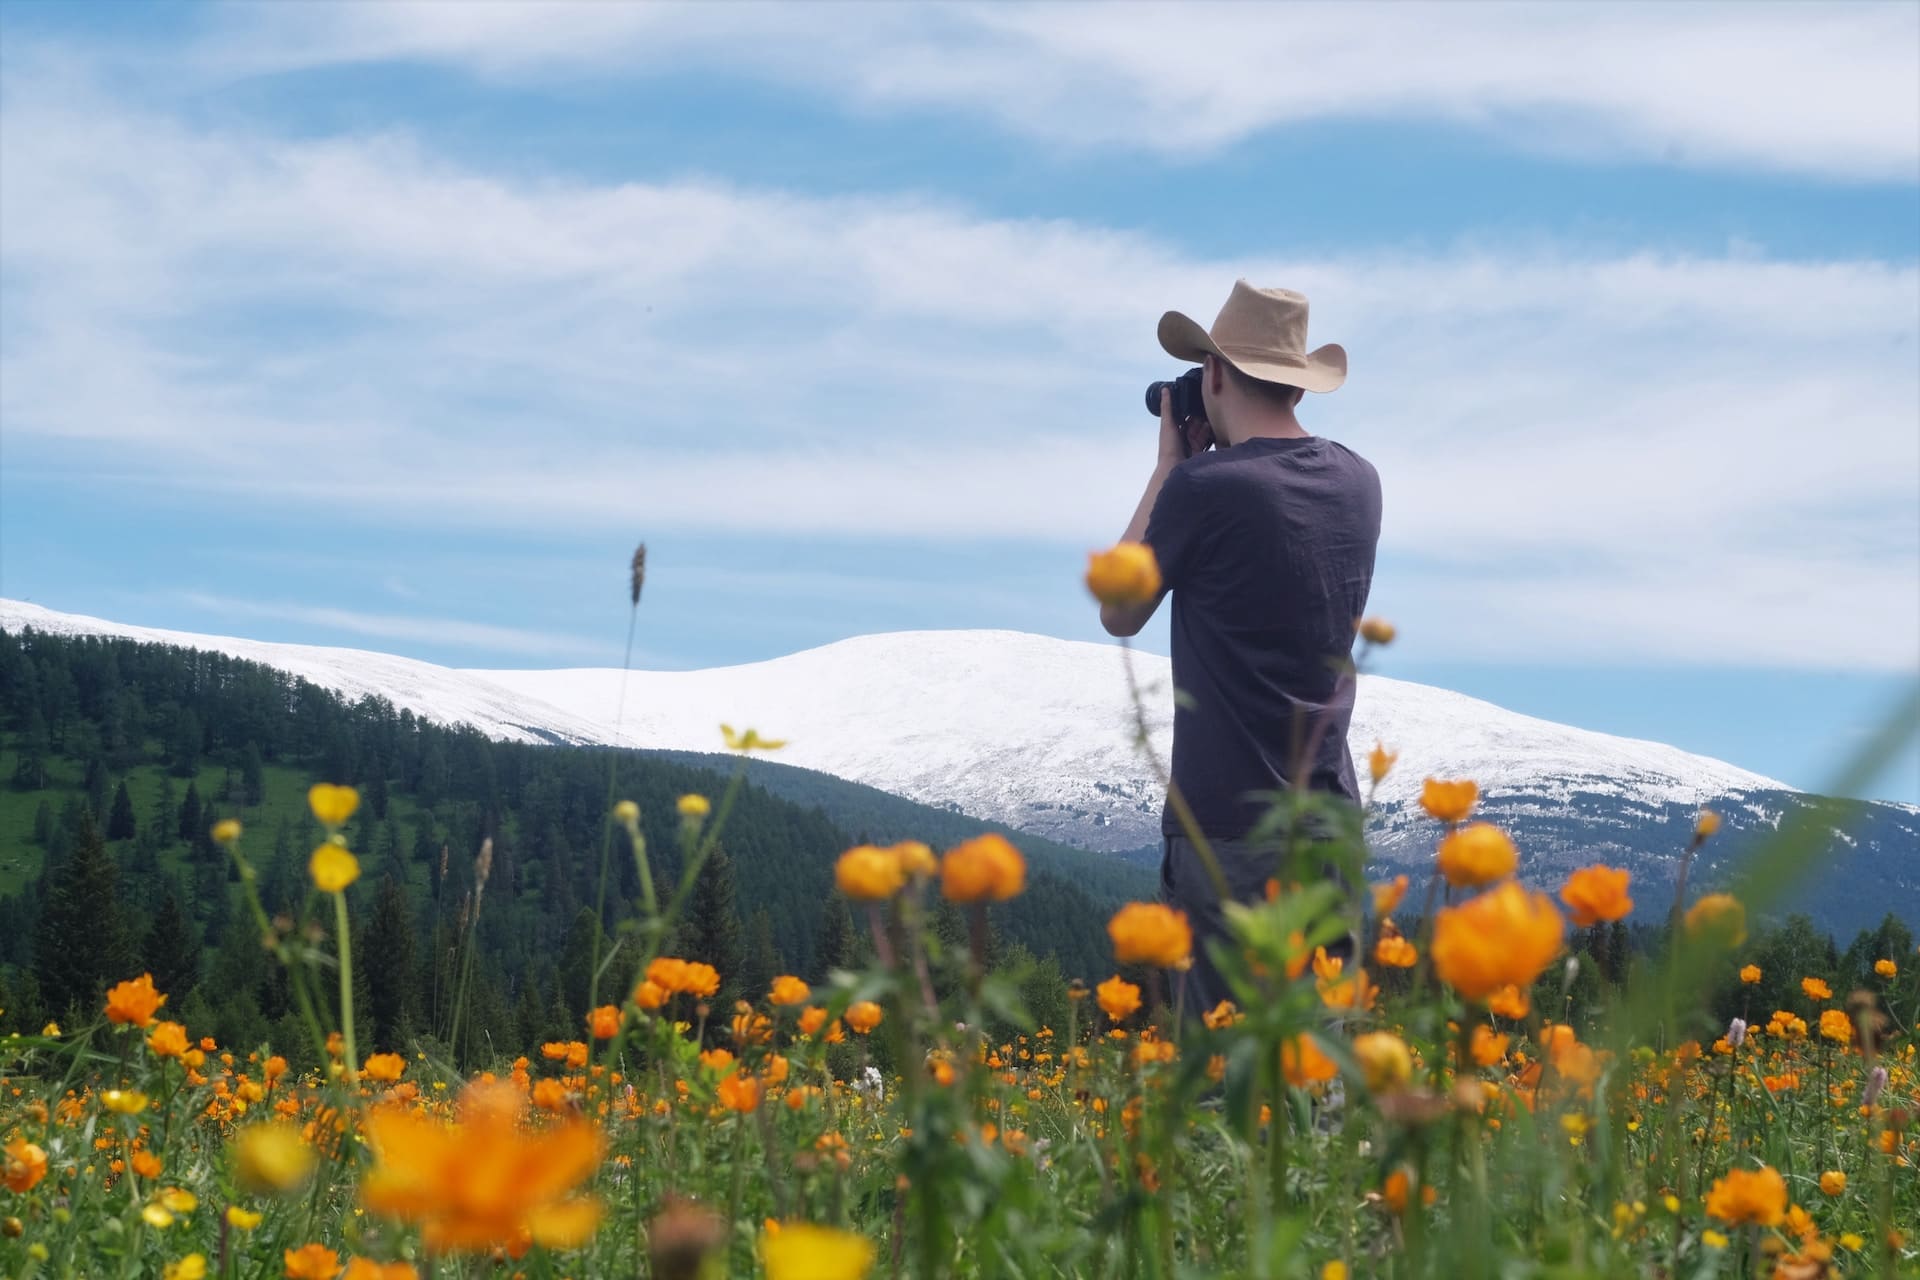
x=639, y=571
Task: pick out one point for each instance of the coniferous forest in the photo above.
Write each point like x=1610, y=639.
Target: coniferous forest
x=118, y=757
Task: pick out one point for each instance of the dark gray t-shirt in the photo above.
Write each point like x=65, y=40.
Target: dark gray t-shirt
x=1268, y=550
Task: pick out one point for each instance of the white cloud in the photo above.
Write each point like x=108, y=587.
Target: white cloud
x=1826, y=89
x=1682, y=456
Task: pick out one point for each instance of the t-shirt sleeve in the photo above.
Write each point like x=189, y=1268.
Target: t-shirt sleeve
x=1175, y=527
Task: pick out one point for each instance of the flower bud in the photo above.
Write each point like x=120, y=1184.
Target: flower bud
x=1737, y=1032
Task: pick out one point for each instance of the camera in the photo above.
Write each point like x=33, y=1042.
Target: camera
x=1187, y=403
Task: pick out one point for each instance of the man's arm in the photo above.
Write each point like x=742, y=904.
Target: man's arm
x=1175, y=442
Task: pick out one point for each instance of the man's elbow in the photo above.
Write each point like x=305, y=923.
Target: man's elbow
x=1121, y=621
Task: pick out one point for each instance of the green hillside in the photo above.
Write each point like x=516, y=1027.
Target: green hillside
x=116, y=757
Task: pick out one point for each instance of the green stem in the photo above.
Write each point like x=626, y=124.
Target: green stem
x=346, y=982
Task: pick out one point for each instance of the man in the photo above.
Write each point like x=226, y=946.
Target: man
x=1265, y=535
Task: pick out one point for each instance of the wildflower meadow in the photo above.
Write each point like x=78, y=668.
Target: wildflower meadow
x=1396, y=1089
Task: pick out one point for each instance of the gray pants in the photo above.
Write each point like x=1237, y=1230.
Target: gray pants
x=1186, y=886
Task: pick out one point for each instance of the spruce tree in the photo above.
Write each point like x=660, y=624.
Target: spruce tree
x=80, y=947
x=120, y=825
x=762, y=957
x=387, y=956
x=839, y=944
x=166, y=819
x=253, y=777
x=30, y=771
x=712, y=931
x=171, y=952
x=42, y=823
x=192, y=821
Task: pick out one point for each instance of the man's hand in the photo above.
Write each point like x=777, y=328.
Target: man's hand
x=1179, y=441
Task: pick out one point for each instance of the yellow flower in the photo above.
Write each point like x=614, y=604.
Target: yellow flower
x=750, y=740
x=1719, y=918
x=1335, y=1270
x=1886, y=968
x=1594, y=894
x=333, y=868
x=1706, y=824
x=1750, y=974
x=1377, y=631
x=125, y=1102
x=802, y=1251
x=134, y=1002
x=1756, y=1196
x=1449, y=801
x=1713, y=1239
x=1475, y=855
x=1118, y=997
x=1127, y=574
x=225, y=831
x=1380, y=761
x=331, y=804
x=1505, y=937
x=984, y=869
x=191, y=1267
x=242, y=1219
x=1384, y=1060
x=157, y=1216
x=1152, y=934
x=693, y=807
x=626, y=813
x=1833, y=1182
x=916, y=860
x=51, y=1031
x=866, y=873
x=272, y=1159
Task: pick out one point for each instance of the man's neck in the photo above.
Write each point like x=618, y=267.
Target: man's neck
x=1272, y=426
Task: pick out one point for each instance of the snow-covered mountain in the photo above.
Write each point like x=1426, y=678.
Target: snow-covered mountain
x=1038, y=733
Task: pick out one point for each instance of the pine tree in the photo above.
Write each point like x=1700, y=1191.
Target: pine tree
x=30, y=771
x=120, y=825
x=576, y=964
x=387, y=957
x=839, y=945
x=171, y=951
x=184, y=744
x=42, y=823
x=712, y=932
x=762, y=957
x=192, y=821
x=253, y=777
x=80, y=947
x=166, y=819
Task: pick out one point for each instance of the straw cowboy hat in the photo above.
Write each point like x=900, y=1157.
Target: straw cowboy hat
x=1263, y=334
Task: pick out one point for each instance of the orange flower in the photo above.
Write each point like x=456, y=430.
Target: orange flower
x=1757, y=1197
x=604, y=1022
x=1386, y=897
x=485, y=1180
x=1377, y=631
x=1504, y=937
x=366, y=1269
x=1488, y=1046
x=788, y=989
x=681, y=977
x=384, y=1067
x=1718, y=918
x=1394, y=951
x=1120, y=998
x=1126, y=574
x=1706, y=824
x=869, y=874
x=812, y=1018
x=1380, y=762
x=740, y=1092
x=986, y=868
x=312, y=1262
x=863, y=1016
x=1833, y=1182
x=1303, y=1063
x=26, y=1165
x=1816, y=989
x=1594, y=894
x=146, y=1164
x=1475, y=855
x=134, y=1002
x=1449, y=801
x=1397, y=1189
x=272, y=1159
x=1836, y=1026
x=1750, y=974
x=1886, y=968
x=551, y=1095
x=915, y=859
x=1152, y=934
x=650, y=995
x=169, y=1040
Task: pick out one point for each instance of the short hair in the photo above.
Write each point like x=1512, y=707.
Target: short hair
x=1279, y=395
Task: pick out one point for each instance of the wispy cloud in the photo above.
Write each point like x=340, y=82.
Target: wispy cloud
x=450, y=632
x=1821, y=89
x=1694, y=456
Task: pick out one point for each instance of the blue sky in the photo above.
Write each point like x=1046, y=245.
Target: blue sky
x=395, y=326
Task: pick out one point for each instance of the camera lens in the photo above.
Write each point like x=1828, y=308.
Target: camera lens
x=1153, y=396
